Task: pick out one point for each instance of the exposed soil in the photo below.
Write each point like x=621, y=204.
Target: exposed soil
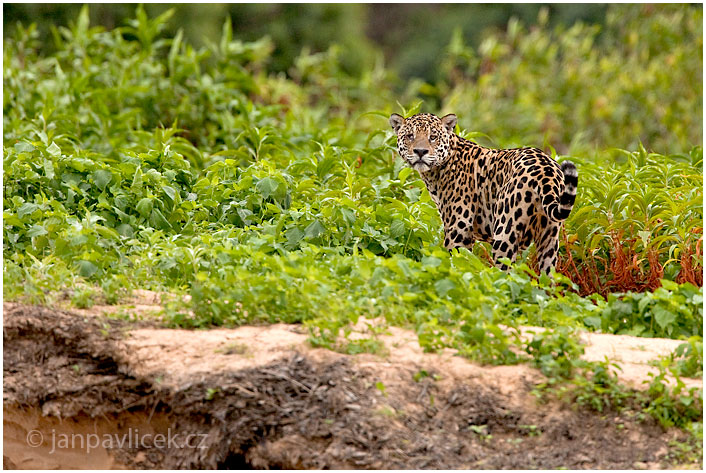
x=260, y=397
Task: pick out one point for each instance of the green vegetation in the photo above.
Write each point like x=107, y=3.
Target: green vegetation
x=596, y=386
x=132, y=159
x=424, y=28
x=585, y=88
x=687, y=360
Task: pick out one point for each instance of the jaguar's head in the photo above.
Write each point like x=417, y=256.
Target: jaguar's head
x=424, y=140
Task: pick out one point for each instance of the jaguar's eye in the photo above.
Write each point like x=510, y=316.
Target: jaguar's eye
x=410, y=136
x=434, y=137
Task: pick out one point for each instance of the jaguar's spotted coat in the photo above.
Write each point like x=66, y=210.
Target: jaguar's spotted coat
x=507, y=197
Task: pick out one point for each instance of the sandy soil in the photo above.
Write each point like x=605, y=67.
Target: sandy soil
x=262, y=397
x=631, y=354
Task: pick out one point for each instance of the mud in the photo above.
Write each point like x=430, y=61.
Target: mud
x=260, y=397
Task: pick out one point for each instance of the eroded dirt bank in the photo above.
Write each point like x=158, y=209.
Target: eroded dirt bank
x=260, y=397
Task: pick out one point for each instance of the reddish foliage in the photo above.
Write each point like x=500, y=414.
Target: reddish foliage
x=656, y=270
x=623, y=272
x=691, y=272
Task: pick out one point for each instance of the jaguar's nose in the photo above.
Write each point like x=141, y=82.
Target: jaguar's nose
x=421, y=152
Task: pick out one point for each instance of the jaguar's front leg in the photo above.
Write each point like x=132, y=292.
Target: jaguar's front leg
x=455, y=237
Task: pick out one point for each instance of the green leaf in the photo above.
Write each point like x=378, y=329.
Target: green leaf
x=144, y=206
x=413, y=194
x=107, y=232
x=663, y=317
x=622, y=308
x=36, y=230
x=643, y=303
x=314, y=229
x=102, y=178
x=293, y=235
x=125, y=230
x=86, y=268
x=157, y=220
x=431, y=261
x=443, y=286
x=170, y=192
x=348, y=216
x=402, y=264
x=397, y=228
x=24, y=147
x=26, y=209
x=48, y=169
x=404, y=173
x=670, y=285
x=54, y=150
x=137, y=181
x=686, y=400
x=326, y=165
x=267, y=186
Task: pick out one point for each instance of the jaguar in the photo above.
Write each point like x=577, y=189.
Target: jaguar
x=506, y=197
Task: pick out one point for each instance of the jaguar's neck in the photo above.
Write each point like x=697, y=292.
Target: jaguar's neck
x=431, y=179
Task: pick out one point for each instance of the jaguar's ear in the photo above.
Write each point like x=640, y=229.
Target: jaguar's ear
x=396, y=121
x=449, y=122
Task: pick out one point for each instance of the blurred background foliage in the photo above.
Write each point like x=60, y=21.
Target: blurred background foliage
x=573, y=76
x=410, y=36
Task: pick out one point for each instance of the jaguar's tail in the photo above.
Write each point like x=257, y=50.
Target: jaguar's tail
x=560, y=210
